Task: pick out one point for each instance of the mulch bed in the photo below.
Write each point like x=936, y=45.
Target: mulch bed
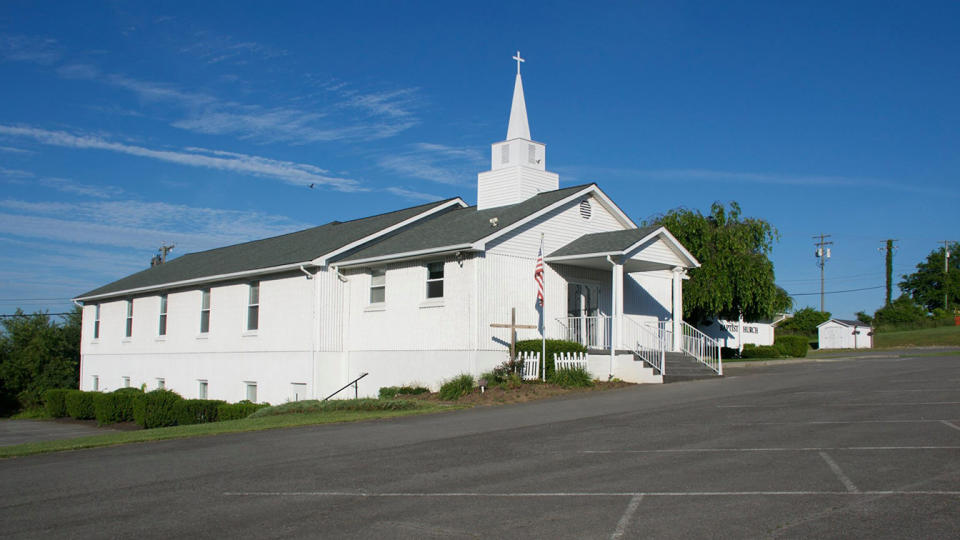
x=525, y=392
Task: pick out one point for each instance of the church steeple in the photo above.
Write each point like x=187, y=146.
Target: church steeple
x=517, y=164
x=519, y=127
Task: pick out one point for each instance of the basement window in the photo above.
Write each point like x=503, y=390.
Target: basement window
x=126, y=381
x=251, y=391
x=96, y=383
x=202, y=389
x=435, y=280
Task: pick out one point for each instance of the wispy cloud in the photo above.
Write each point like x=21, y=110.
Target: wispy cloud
x=285, y=171
x=413, y=195
x=435, y=162
x=65, y=185
x=78, y=71
x=12, y=150
x=212, y=48
x=136, y=224
x=38, y=50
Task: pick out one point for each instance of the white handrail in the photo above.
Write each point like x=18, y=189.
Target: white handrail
x=646, y=343
x=593, y=332
x=702, y=347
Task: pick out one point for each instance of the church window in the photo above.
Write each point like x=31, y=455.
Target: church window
x=163, y=315
x=531, y=153
x=126, y=381
x=202, y=389
x=128, y=331
x=435, y=280
x=378, y=286
x=251, y=391
x=253, y=308
x=204, y=311
x=96, y=322
x=505, y=153
x=96, y=383
x=585, y=210
x=161, y=383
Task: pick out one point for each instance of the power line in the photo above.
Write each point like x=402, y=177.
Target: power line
x=837, y=292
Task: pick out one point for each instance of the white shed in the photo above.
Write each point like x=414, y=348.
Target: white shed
x=844, y=334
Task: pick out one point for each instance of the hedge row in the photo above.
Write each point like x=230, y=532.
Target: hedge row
x=790, y=346
x=149, y=410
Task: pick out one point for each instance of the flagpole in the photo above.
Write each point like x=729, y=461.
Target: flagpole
x=543, y=316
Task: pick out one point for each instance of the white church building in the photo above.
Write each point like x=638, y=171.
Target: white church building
x=407, y=297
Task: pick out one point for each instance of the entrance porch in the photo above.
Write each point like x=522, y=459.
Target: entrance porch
x=625, y=294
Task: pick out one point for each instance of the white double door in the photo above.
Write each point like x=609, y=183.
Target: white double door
x=583, y=312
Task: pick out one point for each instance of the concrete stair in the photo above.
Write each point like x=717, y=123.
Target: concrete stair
x=683, y=367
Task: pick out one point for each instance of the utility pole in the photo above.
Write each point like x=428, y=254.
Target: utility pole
x=946, y=270
x=823, y=254
x=889, y=249
x=161, y=256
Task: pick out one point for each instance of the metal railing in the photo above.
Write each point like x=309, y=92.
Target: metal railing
x=702, y=347
x=646, y=342
x=591, y=332
x=352, y=383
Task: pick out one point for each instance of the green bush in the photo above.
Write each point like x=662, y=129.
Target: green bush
x=116, y=406
x=573, y=377
x=316, y=406
x=456, y=388
x=794, y=346
x=55, y=402
x=237, y=411
x=197, y=411
x=390, y=392
x=759, y=351
x=80, y=404
x=156, y=409
x=554, y=347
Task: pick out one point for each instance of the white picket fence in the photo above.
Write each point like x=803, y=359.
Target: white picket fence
x=570, y=361
x=531, y=365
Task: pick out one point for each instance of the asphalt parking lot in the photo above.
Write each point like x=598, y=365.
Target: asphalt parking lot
x=859, y=448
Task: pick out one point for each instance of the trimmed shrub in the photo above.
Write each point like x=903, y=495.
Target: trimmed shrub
x=554, y=347
x=80, y=404
x=316, y=406
x=116, y=406
x=569, y=378
x=390, y=392
x=55, y=402
x=197, y=411
x=456, y=388
x=762, y=351
x=729, y=352
x=156, y=409
x=238, y=411
x=795, y=346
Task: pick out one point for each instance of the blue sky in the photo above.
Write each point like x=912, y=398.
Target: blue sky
x=202, y=124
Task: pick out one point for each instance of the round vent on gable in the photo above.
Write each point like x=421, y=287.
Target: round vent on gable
x=585, y=209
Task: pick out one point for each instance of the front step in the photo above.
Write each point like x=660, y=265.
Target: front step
x=682, y=367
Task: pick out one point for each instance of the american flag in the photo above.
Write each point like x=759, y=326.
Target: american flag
x=538, y=275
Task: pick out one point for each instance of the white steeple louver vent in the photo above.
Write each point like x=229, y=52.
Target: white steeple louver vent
x=585, y=210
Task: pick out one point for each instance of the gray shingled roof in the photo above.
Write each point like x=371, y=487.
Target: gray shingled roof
x=848, y=322
x=604, y=242
x=296, y=247
x=460, y=226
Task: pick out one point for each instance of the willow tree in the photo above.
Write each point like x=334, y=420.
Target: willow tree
x=736, y=275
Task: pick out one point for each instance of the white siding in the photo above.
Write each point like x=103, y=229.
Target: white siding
x=408, y=320
x=560, y=227
x=657, y=250
x=275, y=355
x=512, y=185
x=833, y=335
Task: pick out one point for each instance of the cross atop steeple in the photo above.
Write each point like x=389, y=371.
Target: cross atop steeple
x=518, y=59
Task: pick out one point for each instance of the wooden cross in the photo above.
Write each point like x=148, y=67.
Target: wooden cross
x=518, y=59
x=513, y=329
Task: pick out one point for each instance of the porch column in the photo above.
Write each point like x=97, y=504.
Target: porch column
x=616, y=306
x=677, y=312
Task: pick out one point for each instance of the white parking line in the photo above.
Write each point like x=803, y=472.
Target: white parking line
x=770, y=449
x=783, y=405
x=839, y=472
x=334, y=494
x=950, y=424
x=625, y=518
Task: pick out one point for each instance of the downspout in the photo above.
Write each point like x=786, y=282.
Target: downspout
x=314, y=328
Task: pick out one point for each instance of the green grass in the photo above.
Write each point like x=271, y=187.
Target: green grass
x=216, y=428
x=31, y=414
x=947, y=336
